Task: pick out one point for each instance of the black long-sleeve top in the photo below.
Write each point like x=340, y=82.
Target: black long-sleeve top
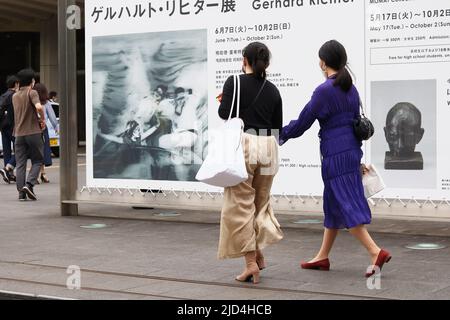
x=267, y=111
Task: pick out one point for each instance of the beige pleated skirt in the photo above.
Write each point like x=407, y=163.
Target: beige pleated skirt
x=247, y=220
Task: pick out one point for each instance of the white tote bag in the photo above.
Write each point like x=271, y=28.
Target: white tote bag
x=224, y=166
x=372, y=182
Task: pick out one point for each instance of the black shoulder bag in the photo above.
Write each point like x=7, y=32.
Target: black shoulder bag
x=362, y=126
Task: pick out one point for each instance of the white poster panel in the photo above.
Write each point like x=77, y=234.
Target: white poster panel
x=408, y=85
x=154, y=69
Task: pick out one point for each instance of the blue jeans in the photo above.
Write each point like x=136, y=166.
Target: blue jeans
x=7, y=140
x=47, y=149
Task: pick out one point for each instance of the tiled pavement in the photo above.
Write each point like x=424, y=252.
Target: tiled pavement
x=149, y=259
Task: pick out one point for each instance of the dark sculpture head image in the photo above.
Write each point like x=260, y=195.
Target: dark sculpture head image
x=403, y=129
x=403, y=132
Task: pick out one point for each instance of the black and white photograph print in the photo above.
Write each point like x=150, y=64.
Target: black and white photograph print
x=150, y=115
x=404, y=145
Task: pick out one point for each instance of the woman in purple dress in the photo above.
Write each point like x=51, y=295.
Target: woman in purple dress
x=335, y=104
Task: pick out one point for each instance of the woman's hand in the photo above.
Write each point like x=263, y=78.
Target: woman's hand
x=42, y=125
x=364, y=169
x=280, y=138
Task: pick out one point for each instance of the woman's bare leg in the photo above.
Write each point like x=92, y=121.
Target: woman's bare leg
x=329, y=235
x=361, y=233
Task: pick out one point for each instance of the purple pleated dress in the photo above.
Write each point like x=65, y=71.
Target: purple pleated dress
x=344, y=203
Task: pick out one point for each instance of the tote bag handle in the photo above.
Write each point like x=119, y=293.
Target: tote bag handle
x=236, y=92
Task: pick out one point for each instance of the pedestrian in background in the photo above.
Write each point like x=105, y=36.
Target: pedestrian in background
x=50, y=119
x=248, y=223
x=29, y=122
x=335, y=104
x=53, y=97
x=6, y=127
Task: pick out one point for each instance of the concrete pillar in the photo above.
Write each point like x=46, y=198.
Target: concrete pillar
x=49, y=54
x=68, y=112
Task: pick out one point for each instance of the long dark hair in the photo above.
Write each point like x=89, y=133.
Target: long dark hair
x=258, y=56
x=42, y=92
x=334, y=55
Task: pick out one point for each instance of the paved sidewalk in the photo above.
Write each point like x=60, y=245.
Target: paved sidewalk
x=149, y=259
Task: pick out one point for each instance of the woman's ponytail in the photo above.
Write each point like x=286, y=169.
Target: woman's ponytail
x=344, y=79
x=259, y=68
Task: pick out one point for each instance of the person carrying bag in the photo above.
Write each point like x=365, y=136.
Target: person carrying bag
x=29, y=121
x=248, y=223
x=335, y=104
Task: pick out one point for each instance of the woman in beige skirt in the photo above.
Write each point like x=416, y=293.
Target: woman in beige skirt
x=248, y=223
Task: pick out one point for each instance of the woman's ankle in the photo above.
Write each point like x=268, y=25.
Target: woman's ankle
x=374, y=252
x=320, y=256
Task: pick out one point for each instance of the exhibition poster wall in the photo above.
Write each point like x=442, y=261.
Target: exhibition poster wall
x=154, y=69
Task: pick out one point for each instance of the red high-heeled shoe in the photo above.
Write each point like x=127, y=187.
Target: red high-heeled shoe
x=323, y=265
x=383, y=257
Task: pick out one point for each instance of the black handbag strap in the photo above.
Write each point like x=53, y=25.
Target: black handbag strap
x=362, y=107
x=259, y=93
x=257, y=96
